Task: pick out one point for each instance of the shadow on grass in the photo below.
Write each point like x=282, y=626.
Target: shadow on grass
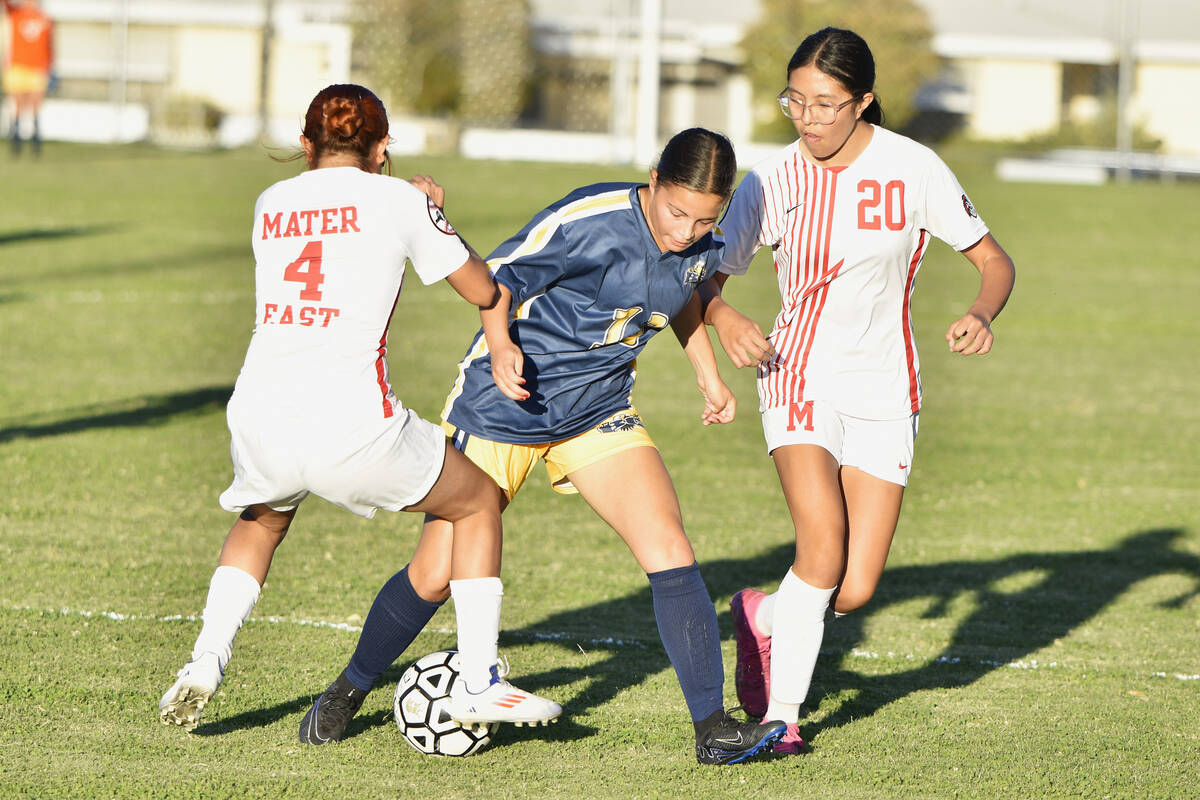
x=146, y=410
x=623, y=648
x=119, y=266
x=1065, y=591
x=35, y=234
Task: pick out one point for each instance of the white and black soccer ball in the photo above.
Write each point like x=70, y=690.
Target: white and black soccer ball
x=420, y=709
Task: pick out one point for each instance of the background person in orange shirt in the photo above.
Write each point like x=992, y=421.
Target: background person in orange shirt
x=28, y=57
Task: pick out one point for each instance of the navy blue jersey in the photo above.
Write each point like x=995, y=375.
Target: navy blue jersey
x=590, y=287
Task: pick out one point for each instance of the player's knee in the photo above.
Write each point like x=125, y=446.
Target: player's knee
x=668, y=552
x=851, y=600
x=268, y=523
x=430, y=582
x=482, y=500
x=489, y=499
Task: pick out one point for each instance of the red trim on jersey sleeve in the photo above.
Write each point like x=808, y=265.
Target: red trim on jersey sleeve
x=910, y=352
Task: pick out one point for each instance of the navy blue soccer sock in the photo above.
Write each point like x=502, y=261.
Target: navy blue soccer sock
x=396, y=617
x=687, y=624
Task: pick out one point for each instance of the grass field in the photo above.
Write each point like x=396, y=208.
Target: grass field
x=1037, y=633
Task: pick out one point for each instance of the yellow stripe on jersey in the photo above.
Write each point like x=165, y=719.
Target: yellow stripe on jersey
x=522, y=311
x=478, y=351
x=537, y=237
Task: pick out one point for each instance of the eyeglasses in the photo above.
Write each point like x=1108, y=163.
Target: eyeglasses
x=820, y=113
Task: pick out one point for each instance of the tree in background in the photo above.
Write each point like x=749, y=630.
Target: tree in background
x=897, y=31
x=466, y=58
x=495, y=60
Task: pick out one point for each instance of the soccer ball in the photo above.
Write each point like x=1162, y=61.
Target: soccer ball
x=420, y=709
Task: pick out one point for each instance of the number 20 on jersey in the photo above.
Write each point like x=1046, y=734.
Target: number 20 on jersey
x=881, y=206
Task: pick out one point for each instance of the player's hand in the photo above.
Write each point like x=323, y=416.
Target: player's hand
x=970, y=335
x=742, y=338
x=507, y=364
x=431, y=188
x=720, y=406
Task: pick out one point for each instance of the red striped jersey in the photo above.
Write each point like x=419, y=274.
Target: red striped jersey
x=847, y=243
x=330, y=248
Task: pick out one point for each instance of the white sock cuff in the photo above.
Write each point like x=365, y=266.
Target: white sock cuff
x=236, y=579
x=492, y=587
x=802, y=598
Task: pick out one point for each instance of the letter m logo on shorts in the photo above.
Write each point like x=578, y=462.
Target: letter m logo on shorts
x=800, y=415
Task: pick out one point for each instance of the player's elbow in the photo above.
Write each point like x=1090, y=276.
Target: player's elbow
x=485, y=297
x=482, y=293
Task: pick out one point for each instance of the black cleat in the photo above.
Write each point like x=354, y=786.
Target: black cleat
x=729, y=740
x=326, y=721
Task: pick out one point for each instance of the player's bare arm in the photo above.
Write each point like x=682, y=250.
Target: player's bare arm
x=508, y=361
x=720, y=406
x=971, y=334
x=741, y=337
x=473, y=281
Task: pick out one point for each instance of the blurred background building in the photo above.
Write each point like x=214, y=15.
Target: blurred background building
x=607, y=80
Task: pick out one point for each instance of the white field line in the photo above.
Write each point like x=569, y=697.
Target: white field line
x=1031, y=664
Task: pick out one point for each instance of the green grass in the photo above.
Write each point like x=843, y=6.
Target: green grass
x=1035, y=634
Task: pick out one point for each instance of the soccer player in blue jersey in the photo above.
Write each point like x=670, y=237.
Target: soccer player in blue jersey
x=549, y=377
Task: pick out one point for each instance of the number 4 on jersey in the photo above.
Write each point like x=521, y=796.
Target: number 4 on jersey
x=307, y=270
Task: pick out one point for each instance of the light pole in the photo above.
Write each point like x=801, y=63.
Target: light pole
x=264, y=82
x=646, y=138
x=1128, y=13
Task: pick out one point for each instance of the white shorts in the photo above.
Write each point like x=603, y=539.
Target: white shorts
x=883, y=448
x=278, y=460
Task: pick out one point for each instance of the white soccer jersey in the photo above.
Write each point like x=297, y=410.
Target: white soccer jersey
x=331, y=246
x=847, y=243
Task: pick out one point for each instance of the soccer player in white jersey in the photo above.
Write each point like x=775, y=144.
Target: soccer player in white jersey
x=313, y=408
x=848, y=210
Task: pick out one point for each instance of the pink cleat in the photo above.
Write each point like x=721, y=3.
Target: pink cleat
x=753, y=674
x=791, y=743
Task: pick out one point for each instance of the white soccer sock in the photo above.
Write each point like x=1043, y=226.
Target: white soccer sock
x=477, y=609
x=799, y=625
x=232, y=593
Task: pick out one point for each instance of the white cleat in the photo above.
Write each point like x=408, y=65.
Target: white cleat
x=194, y=686
x=500, y=702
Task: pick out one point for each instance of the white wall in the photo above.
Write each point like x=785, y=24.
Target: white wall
x=1167, y=102
x=1013, y=99
x=219, y=64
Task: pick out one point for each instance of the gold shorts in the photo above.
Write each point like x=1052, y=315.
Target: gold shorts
x=23, y=80
x=509, y=465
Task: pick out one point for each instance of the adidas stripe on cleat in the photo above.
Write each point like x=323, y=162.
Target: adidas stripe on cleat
x=499, y=702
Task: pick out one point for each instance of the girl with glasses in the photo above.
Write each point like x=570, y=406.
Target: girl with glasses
x=848, y=209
